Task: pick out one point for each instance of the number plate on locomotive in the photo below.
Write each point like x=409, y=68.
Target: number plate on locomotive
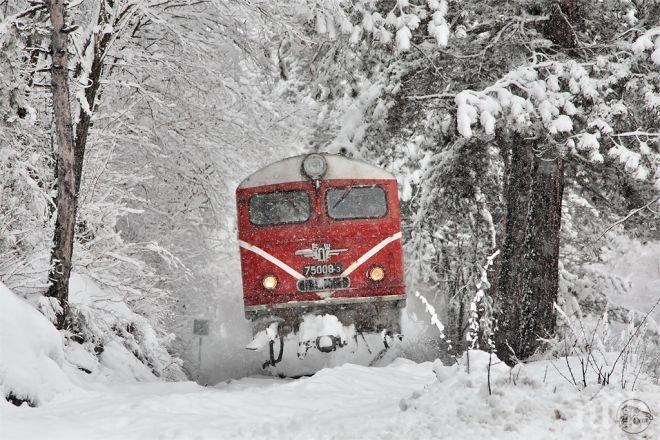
x=322, y=269
x=319, y=284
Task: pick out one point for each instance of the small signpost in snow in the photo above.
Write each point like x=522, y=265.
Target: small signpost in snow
x=200, y=328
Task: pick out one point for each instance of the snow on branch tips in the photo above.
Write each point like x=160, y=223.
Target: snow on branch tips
x=393, y=28
x=649, y=41
x=581, y=104
x=438, y=27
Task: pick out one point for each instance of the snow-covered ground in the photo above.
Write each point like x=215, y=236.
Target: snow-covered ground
x=344, y=402
x=402, y=400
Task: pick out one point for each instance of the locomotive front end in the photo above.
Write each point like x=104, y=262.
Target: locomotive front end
x=320, y=235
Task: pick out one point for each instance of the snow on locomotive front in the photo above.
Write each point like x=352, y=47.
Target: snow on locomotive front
x=320, y=234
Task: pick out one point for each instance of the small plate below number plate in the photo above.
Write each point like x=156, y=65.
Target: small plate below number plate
x=320, y=284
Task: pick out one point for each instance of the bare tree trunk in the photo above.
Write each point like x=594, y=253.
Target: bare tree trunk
x=529, y=274
x=66, y=179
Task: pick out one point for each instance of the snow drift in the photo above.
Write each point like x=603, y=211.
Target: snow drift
x=31, y=352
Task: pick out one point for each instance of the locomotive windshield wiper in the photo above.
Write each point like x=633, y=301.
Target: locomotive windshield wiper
x=342, y=197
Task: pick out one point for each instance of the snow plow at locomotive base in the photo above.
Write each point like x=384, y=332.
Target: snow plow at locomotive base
x=322, y=261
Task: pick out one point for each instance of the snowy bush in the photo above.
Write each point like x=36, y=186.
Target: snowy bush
x=610, y=306
x=103, y=323
x=603, y=347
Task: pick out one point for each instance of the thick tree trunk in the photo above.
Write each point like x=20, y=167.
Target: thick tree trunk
x=66, y=180
x=528, y=280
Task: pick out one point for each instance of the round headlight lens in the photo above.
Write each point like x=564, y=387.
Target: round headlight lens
x=269, y=282
x=376, y=273
x=314, y=166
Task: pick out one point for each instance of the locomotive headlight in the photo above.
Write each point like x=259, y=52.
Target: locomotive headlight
x=269, y=282
x=376, y=273
x=314, y=166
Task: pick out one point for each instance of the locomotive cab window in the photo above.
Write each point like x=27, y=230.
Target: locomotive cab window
x=279, y=208
x=356, y=202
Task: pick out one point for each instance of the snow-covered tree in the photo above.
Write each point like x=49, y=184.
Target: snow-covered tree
x=172, y=105
x=487, y=112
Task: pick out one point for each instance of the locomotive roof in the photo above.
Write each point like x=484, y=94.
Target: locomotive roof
x=290, y=170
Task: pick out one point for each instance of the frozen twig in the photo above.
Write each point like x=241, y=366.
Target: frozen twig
x=630, y=214
x=432, y=96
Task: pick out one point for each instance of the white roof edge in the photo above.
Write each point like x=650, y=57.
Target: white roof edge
x=290, y=170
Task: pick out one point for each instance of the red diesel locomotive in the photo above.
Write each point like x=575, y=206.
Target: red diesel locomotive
x=320, y=234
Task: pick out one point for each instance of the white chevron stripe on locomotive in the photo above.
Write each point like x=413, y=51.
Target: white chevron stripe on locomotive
x=276, y=261
x=297, y=275
x=370, y=253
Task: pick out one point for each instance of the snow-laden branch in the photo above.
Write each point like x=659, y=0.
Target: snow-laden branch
x=434, y=317
x=558, y=97
x=472, y=336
